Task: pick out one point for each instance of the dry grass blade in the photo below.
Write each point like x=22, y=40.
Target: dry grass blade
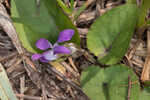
x=7, y=25
x=146, y=70
x=59, y=67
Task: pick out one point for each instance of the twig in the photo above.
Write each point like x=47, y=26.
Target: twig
x=69, y=89
x=44, y=92
x=22, y=86
x=29, y=97
x=32, y=73
x=8, y=56
x=14, y=65
x=69, y=69
x=129, y=87
x=64, y=78
x=72, y=64
x=29, y=62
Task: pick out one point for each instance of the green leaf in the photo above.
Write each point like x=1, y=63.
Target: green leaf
x=145, y=5
x=131, y=1
x=32, y=25
x=146, y=83
x=146, y=88
x=144, y=95
x=110, y=83
x=148, y=22
x=72, y=2
x=6, y=92
x=109, y=36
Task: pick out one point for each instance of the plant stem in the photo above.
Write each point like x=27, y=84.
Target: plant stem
x=129, y=87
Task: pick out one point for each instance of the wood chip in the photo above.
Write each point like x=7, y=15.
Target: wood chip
x=146, y=70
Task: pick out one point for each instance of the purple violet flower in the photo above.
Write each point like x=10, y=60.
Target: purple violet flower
x=52, y=54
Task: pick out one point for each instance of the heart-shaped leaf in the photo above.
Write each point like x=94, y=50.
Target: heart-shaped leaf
x=110, y=83
x=33, y=22
x=109, y=36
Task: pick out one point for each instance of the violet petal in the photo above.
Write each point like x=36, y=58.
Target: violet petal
x=43, y=44
x=61, y=49
x=49, y=55
x=42, y=59
x=65, y=35
x=36, y=56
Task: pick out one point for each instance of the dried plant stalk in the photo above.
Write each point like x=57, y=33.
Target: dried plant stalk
x=146, y=70
x=8, y=27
